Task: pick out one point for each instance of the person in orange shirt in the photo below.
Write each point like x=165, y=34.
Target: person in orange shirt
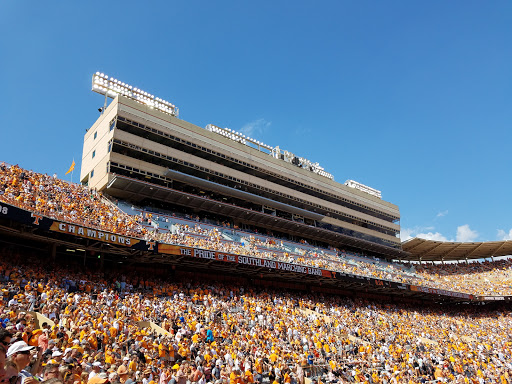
x=248, y=377
x=83, y=333
x=236, y=376
x=93, y=340
x=259, y=369
x=113, y=331
x=34, y=337
x=109, y=358
x=438, y=374
x=132, y=366
x=287, y=378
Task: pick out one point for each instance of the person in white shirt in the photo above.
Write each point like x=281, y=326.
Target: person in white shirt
x=96, y=369
x=12, y=303
x=20, y=354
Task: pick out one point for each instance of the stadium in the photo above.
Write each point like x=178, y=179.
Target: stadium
x=201, y=255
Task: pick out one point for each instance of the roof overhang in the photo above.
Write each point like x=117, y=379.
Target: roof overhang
x=136, y=190
x=210, y=185
x=430, y=250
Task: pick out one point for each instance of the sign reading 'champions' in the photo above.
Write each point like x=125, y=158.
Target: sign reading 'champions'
x=89, y=233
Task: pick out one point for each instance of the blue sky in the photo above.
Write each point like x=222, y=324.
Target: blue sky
x=410, y=97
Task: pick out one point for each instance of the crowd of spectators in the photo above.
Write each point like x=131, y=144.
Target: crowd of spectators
x=477, y=278
x=61, y=200
x=480, y=278
x=218, y=333
x=58, y=199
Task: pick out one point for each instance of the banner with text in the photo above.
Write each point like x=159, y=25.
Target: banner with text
x=240, y=259
x=107, y=237
x=442, y=292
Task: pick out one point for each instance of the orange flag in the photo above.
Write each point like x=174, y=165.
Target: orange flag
x=71, y=168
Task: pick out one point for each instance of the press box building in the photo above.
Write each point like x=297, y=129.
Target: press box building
x=140, y=151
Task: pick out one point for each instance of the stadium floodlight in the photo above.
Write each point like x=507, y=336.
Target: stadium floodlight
x=238, y=137
x=111, y=87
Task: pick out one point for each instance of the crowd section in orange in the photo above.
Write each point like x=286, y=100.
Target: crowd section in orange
x=74, y=203
x=60, y=200
x=219, y=333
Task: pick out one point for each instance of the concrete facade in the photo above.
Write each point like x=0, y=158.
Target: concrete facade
x=146, y=149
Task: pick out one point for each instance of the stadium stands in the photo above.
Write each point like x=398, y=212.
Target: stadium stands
x=220, y=333
x=61, y=200
x=71, y=202
x=215, y=332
